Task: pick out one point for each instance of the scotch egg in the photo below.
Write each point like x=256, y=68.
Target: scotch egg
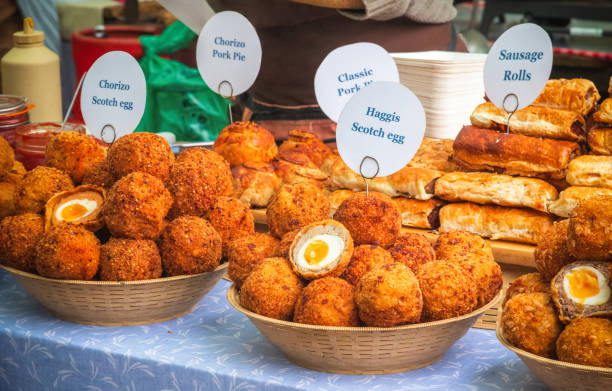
x=582, y=289
x=82, y=205
x=321, y=249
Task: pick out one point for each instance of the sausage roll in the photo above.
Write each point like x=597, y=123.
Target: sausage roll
x=590, y=170
x=600, y=139
x=495, y=222
x=413, y=182
x=435, y=154
x=513, y=154
x=499, y=189
x=419, y=214
x=579, y=95
x=604, y=114
x=532, y=121
x=572, y=196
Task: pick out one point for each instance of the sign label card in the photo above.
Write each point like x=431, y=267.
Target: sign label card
x=380, y=129
x=228, y=53
x=114, y=93
x=349, y=69
x=518, y=66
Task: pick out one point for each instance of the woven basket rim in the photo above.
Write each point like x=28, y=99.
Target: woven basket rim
x=33, y=276
x=544, y=360
x=233, y=298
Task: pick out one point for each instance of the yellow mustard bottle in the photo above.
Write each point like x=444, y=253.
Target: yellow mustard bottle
x=32, y=70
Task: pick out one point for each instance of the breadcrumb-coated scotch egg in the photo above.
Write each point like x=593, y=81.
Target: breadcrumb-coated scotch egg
x=389, y=295
x=364, y=259
x=81, y=205
x=321, y=249
x=336, y=198
x=327, y=301
x=7, y=199
x=448, y=290
x=74, y=153
x=305, y=143
x=69, y=252
x=487, y=276
x=272, y=289
x=371, y=218
x=231, y=219
x=142, y=152
x=189, y=245
x=245, y=252
x=589, y=234
x=99, y=175
x=527, y=283
x=198, y=178
x=18, y=238
x=7, y=157
x=413, y=250
x=129, y=260
x=37, y=186
x=529, y=322
x=582, y=289
x=244, y=141
x=586, y=341
x=459, y=245
x=473, y=254
x=552, y=253
x=136, y=205
x=286, y=242
x=295, y=206
x=15, y=175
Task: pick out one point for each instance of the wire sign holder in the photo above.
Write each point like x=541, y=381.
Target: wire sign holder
x=228, y=97
x=512, y=110
x=366, y=177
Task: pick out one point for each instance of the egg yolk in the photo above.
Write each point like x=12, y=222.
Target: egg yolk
x=73, y=212
x=316, y=251
x=583, y=284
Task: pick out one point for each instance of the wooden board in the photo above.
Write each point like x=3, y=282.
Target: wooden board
x=503, y=251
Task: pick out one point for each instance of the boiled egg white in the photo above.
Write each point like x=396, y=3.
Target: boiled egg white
x=319, y=251
x=586, y=285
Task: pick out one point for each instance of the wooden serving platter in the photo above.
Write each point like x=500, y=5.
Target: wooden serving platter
x=504, y=252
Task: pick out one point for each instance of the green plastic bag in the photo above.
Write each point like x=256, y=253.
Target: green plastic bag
x=178, y=100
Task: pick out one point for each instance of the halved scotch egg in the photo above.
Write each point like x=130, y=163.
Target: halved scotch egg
x=582, y=289
x=82, y=205
x=321, y=249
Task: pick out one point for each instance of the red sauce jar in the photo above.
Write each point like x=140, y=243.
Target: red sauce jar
x=31, y=141
x=13, y=113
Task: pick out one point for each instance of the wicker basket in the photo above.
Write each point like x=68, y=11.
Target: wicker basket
x=112, y=303
x=361, y=350
x=561, y=376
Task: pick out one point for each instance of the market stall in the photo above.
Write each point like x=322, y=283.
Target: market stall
x=441, y=240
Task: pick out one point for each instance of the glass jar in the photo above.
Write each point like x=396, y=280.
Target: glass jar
x=13, y=113
x=31, y=141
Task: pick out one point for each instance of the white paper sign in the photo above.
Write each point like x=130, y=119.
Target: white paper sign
x=114, y=93
x=518, y=66
x=384, y=121
x=228, y=53
x=349, y=69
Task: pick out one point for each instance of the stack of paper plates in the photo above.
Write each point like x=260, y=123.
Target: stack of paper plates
x=448, y=84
